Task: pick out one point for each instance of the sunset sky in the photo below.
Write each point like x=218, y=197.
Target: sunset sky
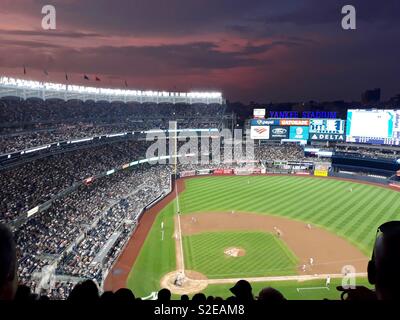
x=260, y=50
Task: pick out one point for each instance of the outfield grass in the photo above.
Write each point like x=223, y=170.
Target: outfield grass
x=324, y=202
x=266, y=255
x=157, y=256
x=308, y=290
x=327, y=203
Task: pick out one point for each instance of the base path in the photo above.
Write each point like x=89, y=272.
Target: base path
x=118, y=275
x=328, y=251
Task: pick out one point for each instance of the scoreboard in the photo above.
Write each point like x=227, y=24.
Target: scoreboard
x=298, y=129
x=374, y=126
x=327, y=129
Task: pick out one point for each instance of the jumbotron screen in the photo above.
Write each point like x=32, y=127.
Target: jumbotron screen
x=373, y=126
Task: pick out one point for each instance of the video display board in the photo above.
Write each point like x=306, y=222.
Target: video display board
x=327, y=129
x=373, y=126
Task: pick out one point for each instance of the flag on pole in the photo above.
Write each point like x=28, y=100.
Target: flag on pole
x=24, y=70
x=126, y=84
x=45, y=72
x=66, y=77
x=97, y=79
x=86, y=77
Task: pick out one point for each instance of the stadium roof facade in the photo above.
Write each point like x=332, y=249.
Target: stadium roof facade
x=25, y=89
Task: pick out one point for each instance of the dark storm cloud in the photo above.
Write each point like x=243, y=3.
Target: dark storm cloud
x=58, y=33
x=161, y=59
x=176, y=58
x=252, y=50
x=315, y=12
x=28, y=44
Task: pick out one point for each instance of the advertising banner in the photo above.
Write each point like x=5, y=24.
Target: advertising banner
x=298, y=133
x=327, y=137
x=302, y=173
x=264, y=122
x=223, y=171
x=190, y=173
x=243, y=171
x=259, y=132
x=279, y=132
x=203, y=172
x=294, y=122
x=321, y=173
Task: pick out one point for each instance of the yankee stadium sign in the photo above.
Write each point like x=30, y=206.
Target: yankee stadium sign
x=304, y=114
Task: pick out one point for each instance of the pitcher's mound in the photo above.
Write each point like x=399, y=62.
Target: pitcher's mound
x=190, y=283
x=234, y=252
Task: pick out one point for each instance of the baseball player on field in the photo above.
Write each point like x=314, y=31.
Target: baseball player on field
x=328, y=281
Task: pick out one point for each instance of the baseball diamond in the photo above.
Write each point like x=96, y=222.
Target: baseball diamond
x=294, y=231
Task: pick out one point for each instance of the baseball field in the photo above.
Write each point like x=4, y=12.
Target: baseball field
x=288, y=232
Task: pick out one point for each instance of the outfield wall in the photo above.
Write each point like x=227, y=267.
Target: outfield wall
x=360, y=177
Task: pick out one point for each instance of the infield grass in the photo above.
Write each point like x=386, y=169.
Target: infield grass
x=265, y=255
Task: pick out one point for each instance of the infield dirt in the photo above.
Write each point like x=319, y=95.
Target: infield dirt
x=328, y=251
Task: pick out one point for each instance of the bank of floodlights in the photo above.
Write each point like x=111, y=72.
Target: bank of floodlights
x=20, y=84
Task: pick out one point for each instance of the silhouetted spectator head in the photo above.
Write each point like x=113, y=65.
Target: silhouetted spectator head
x=107, y=296
x=164, y=295
x=23, y=294
x=384, y=266
x=8, y=264
x=124, y=295
x=271, y=295
x=199, y=298
x=44, y=298
x=210, y=299
x=242, y=290
x=184, y=297
x=85, y=291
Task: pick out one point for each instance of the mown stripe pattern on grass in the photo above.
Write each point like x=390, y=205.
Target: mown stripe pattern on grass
x=328, y=203
x=265, y=255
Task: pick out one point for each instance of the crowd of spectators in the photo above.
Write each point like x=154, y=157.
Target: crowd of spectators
x=382, y=274
x=375, y=153
x=31, y=123
x=80, y=261
x=44, y=238
x=33, y=183
x=281, y=152
x=72, y=232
